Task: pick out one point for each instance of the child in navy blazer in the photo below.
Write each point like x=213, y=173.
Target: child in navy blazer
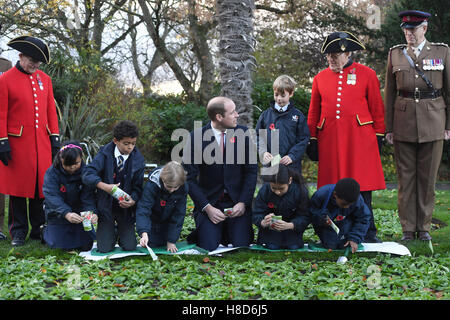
x=160, y=212
x=117, y=164
x=290, y=123
x=65, y=197
x=284, y=194
x=340, y=205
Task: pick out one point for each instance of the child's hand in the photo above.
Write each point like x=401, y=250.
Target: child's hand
x=94, y=218
x=73, y=217
x=286, y=160
x=281, y=225
x=352, y=244
x=267, y=157
x=126, y=203
x=267, y=220
x=106, y=186
x=144, y=240
x=171, y=247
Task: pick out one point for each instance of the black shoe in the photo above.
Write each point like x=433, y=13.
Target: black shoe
x=424, y=236
x=2, y=236
x=41, y=233
x=18, y=242
x=408, y=236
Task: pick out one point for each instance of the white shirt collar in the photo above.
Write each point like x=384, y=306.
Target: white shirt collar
x=420, y=46
x=217, y=133
x=281, y=109
x=117, y=154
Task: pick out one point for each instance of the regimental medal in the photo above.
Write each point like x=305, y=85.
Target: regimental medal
x=351, y=79
x=38, y=78
x=433, y=64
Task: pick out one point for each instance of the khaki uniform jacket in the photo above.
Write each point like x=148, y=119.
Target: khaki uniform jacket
x=5, y=65
x=426, y=119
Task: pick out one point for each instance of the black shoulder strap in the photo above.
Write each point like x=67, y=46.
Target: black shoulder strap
x=420, y=72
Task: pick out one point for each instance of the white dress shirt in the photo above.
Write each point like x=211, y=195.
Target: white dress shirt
x=117, y=154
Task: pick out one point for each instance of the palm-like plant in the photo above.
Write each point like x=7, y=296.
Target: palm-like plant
x=79, y=122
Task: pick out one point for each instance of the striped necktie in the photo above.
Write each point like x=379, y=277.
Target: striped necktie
x=120, y=163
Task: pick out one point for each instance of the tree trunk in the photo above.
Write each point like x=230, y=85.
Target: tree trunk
x=199, y=37
x=236, y=61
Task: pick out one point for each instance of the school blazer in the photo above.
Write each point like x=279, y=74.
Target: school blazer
x=102, y=169
x=357, y=215
x=65, y=193
x=157, y=206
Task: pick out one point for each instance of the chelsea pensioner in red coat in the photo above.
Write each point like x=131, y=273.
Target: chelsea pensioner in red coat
x=345, y=116
x=27, y=120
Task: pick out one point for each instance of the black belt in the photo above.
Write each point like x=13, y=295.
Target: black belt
x=417, y=95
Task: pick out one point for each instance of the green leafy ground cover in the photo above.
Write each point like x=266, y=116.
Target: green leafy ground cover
x=36, y=272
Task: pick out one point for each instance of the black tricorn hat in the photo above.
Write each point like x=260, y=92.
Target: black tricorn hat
x=341, y=41
x=32, y=47
x=413, y=18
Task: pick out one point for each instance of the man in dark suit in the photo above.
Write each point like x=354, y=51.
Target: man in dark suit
x=221, y=175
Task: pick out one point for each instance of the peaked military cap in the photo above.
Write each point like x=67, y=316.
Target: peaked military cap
x=341, y=41
x=413, y=18
x=32, y=47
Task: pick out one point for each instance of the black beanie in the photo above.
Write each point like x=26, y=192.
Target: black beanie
x=347, y=189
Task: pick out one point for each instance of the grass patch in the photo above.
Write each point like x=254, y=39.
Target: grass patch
x=36, y=272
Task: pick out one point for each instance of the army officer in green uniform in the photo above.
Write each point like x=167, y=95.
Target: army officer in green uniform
x=417, y=120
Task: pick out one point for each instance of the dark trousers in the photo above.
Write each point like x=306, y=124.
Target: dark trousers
x=330, y=239
x=2, y=211
x=372, y=231
x=236, y=231
x=18, y=217
x=120, y=226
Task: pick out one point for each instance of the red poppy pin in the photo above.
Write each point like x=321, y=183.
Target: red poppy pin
x=272, y=126
x=339, y=218
x=62, y=188
x=233, y=139
x=162, y=203
x=270, y=205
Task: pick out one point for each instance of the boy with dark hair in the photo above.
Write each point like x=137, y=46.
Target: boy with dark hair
x=117, y=164
x=339, y=215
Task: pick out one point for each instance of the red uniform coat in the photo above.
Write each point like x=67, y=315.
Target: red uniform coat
x=345, y=115
x=27, y=119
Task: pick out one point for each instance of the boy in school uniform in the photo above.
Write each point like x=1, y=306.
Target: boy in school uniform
x=160, y=212
x=291, y=123
x=119, y=163
x=340, y=205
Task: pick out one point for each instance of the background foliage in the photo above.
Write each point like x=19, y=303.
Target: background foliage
x=288, y=37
